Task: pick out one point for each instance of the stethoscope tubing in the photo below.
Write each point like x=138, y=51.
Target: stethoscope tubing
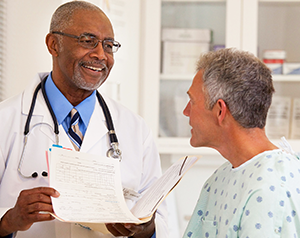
x=113, y=152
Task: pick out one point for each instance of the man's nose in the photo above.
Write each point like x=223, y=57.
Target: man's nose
x=186, y=110
x=98, y=52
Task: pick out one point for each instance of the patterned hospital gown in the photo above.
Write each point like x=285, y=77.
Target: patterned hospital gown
x=259, y=199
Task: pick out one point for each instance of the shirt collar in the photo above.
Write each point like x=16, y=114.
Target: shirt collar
x=62, y=107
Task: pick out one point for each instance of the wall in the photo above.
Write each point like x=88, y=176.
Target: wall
x=27, y=25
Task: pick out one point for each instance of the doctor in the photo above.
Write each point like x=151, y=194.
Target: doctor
x=81, y=42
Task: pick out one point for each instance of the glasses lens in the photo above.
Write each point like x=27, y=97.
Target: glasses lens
x=87, y=41
x=90, y=42
x=110, y=46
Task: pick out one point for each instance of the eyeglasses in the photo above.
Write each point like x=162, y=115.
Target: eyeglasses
x=90, y=42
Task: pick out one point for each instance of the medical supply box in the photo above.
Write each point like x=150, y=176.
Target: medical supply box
x=182, y=48
x=274, y=59
x=291, y=68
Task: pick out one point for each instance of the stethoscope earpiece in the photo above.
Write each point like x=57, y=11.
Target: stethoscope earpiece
x=44, y=174
x=35, y=174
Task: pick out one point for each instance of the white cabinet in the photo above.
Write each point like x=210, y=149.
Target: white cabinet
x=276, y=28
x=250, y=25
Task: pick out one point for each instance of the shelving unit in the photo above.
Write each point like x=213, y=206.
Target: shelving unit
x=242, y=27
x=189, y=77
x=239, y=27
x=286, y=78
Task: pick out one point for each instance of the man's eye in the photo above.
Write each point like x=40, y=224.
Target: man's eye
x=87, y=40
x=108, y=44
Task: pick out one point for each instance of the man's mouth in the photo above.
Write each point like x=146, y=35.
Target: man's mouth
x=97, y=69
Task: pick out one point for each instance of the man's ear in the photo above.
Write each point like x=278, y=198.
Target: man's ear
x=222, y=110
x=52, y=44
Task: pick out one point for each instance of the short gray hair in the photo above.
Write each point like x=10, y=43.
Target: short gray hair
x=62, y=17
x=242, y=80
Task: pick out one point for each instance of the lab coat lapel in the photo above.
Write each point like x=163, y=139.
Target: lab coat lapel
x=64, y=139
x=97, y=128
x=41, y=113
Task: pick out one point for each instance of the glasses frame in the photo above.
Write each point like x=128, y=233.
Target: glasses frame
x=116, y=44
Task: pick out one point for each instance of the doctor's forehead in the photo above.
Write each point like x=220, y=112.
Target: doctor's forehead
x=95, y=23
x=64, y=14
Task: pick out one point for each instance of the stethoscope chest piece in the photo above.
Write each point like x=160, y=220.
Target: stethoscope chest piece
x=114, y=152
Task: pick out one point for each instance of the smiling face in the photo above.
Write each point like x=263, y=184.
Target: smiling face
x=76, y=68
x=202, y=120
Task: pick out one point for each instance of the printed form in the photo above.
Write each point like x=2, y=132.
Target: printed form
x=91, y=191
x=89, y=186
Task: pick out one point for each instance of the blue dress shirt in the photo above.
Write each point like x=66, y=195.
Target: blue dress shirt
x=62, y=107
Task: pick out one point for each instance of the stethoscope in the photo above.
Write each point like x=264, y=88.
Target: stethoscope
x=113, y=152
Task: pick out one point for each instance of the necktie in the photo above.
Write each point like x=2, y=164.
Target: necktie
x=74, y=132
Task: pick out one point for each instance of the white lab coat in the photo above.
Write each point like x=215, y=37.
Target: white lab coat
x=140, y=164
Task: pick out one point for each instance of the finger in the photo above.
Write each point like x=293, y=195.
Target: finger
x=41, y=190
x=142, y=230
x=39, y=217
x=36, y=195
x=39, y=207
x=33, y=199
x=134, y=228
x=112, y=230
x=118, y=229
x=38, y=198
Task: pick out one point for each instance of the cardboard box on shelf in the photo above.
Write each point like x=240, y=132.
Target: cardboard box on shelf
x=274, y=59
x=291, y=68
x=274, y=54
x=275, y=68
x=278, y=119
x=186, y=34
x=295, y=125
x=182, y=48
x=181, y=57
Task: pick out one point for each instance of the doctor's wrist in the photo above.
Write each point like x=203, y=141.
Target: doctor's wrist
x=5, y=230
x=153, y=236
x=145, y=234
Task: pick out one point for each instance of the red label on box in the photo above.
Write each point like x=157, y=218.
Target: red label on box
x=273, y=61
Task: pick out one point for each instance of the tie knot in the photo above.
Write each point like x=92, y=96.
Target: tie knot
x=74, y=117
x=73, y=111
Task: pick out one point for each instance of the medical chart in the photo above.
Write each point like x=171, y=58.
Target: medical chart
x=91, y=192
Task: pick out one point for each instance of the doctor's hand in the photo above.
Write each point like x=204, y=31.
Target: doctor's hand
x=27, y=210
x=145, y=230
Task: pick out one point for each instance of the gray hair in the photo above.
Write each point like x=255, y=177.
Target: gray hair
x=242, y=81
x=63, y=16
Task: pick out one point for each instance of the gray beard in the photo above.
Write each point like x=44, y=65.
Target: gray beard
x=82, y=84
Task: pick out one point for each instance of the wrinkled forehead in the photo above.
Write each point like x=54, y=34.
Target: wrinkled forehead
x=91, y=21
x=91, y=16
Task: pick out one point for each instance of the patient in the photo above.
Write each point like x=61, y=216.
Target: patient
x=256, y=193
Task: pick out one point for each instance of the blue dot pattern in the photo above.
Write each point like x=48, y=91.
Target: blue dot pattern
x=260, y=198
